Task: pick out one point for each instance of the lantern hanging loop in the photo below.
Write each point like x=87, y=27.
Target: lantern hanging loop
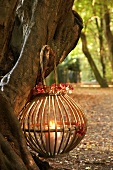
x=49, y=51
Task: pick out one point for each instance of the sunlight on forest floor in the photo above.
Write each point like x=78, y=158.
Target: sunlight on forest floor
x=95, y=152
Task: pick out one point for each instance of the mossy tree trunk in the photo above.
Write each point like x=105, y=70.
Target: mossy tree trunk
x=102, y=82
x=25, y=26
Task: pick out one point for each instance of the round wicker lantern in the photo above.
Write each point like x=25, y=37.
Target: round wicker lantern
x=52, y=122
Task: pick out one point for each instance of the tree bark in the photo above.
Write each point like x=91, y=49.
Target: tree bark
x=13, y=150
x=7, y=19
x=86, y=52
x=26, y=26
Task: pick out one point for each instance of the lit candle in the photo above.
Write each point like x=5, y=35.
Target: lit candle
x=50, y=139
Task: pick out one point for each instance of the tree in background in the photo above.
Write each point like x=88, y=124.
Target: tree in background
x=108, y=33
x=98, y=77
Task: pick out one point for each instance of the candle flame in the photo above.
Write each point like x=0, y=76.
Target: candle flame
x=52, y=124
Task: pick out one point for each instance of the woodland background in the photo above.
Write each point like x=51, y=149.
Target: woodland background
x=92, y=60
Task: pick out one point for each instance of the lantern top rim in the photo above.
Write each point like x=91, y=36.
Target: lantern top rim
x=47, y=94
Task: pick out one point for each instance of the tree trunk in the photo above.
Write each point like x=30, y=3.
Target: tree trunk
x=26, y=26
x=13, y=150
x=86, y=52
x=99, y=25
x=108, y=34
x=52, y=23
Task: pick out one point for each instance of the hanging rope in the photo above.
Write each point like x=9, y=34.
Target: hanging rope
x=5, y=80
x=42, y=62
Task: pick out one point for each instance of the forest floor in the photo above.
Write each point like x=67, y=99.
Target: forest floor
x=95, y=151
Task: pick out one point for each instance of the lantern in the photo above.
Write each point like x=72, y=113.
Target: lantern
x=52, y=122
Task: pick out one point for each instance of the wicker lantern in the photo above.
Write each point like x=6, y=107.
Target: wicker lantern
x=52, y=122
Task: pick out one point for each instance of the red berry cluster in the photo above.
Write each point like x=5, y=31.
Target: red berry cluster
x=80, y=129
x=53, y=89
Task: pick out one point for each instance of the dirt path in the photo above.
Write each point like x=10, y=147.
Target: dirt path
x=95, y=152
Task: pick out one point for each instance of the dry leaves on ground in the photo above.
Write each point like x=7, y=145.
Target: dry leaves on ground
x=95, y=152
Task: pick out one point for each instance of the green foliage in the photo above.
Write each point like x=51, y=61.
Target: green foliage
x=92, y=13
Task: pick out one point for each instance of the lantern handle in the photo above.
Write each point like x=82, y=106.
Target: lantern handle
x=44, y=62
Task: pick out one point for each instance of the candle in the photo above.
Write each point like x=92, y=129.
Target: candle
x=50, y=139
